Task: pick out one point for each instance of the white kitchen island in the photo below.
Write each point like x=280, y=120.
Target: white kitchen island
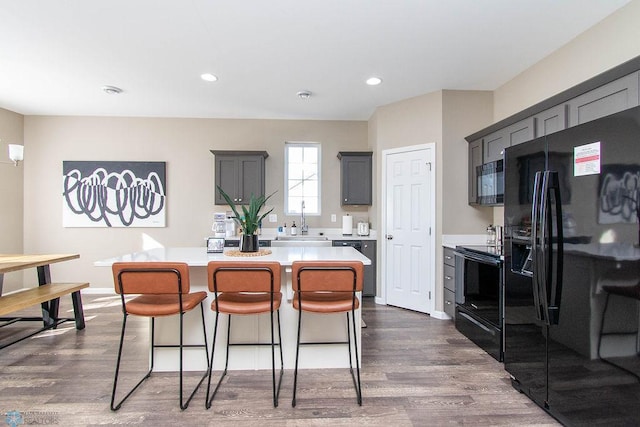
x=315, y=327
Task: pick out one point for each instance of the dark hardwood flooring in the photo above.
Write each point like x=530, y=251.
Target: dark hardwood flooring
x=416, y=371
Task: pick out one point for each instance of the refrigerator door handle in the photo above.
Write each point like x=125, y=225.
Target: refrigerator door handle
x=556, y=254
x=535, y=249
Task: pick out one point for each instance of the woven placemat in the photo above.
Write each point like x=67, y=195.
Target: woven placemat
x=236, y=252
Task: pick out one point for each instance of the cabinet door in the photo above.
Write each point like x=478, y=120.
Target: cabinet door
x=250, y=177
x=551, y=120
x=520, y=132
x=240, y=174
x=226, y=178
x=475, y=160
x=611, y=98
x=369, y=250
x=356, y=179
x=494, y=145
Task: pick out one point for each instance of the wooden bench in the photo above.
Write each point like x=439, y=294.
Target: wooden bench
x=48, y=295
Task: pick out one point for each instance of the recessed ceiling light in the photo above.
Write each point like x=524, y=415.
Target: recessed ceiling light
x=374, y=81
x=304, y=94
x=111, y=90
x=208, y=77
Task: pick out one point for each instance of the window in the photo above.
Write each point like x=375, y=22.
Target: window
x=302, y=178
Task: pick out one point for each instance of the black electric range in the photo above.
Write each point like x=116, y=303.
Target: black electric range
x=479, y=296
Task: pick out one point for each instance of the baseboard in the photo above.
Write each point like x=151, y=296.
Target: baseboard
x=440, y=315
x=380, y=301
x=98, y=291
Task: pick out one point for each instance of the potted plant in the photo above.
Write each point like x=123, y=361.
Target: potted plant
x=250, y=219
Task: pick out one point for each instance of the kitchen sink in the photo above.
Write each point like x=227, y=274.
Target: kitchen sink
x=289, y=241
x=301, y=238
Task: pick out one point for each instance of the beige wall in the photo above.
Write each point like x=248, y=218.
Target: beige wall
x=611, y=42
x=443, y=118
x=184, y=144
x=464, y=112
x=11, y=192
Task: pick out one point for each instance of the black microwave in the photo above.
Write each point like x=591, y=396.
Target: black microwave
x=490, y=183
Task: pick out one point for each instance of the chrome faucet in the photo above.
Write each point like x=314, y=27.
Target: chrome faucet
x=304, y=228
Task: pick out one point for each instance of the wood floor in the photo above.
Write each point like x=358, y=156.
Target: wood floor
x=416, y=371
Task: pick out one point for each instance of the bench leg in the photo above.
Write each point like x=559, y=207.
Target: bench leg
x=77, y=309
x=50, y=312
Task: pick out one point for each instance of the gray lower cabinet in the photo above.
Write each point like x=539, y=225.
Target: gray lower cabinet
x=368, y=249
x=475, y=160
x=610, y=98
x=356, y=177
x=449, y=279
x=240, y=174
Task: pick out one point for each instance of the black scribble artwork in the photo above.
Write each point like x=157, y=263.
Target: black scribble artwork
x=113, y=194
x=619, y=194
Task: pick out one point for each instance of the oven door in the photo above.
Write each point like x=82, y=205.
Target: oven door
x=479, y=285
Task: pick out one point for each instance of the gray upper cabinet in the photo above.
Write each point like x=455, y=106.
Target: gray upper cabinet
x=517, y=133
x=494, y=145
x=551, y=120
x=475, y=160
x=240, y=174
x=356, y=176
x=520, y=132
x=610, y=98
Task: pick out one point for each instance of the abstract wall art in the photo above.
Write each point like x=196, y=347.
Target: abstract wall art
x=113, y=194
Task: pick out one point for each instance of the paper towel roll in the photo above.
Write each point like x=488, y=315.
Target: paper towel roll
x=347, y=225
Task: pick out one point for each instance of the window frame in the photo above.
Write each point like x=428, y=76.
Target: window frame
x=301, y=144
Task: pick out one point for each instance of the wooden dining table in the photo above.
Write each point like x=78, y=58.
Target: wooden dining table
x=46, y=293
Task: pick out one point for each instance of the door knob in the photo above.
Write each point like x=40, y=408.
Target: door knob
x=389, y=236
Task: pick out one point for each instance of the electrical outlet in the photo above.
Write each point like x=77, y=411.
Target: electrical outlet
x=273, y=218
x=333, y=218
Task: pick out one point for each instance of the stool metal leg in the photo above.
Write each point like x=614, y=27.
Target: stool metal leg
x=115, y=407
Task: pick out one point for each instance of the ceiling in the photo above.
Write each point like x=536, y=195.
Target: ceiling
x=56, y=55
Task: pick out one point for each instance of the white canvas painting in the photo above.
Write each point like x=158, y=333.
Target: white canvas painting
x=113, y=194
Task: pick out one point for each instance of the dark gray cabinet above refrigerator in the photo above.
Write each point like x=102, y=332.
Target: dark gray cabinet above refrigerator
x=610, y=92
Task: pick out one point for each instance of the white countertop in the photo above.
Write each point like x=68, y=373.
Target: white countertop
x=198, y=256
x=329, y=233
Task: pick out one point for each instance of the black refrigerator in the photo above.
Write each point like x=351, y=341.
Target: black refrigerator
x=572, y=271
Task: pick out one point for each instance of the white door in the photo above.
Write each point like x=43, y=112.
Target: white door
x=409, y=215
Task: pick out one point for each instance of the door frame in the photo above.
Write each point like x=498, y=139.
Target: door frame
x=432, y=225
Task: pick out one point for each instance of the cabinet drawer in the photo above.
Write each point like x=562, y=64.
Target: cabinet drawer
x=450, y=303
x=448, y=256
x=449, y=278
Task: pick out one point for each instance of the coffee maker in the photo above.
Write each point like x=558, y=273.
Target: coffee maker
x=219, y=226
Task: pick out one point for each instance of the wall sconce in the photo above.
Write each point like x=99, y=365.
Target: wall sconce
x=16, y=153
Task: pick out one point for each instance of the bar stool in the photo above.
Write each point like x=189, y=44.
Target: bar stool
x=628, y=291
x=245, y=288
x=328, y=287
x=163, y=289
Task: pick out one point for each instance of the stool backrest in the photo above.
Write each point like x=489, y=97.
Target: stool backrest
x=151, y=277
x=238, y=276
x=329, y=276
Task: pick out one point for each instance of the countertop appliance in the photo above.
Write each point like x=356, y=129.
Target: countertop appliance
x=479, y=296
x=363, y=228
x=571, y=201
x=490, y=184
